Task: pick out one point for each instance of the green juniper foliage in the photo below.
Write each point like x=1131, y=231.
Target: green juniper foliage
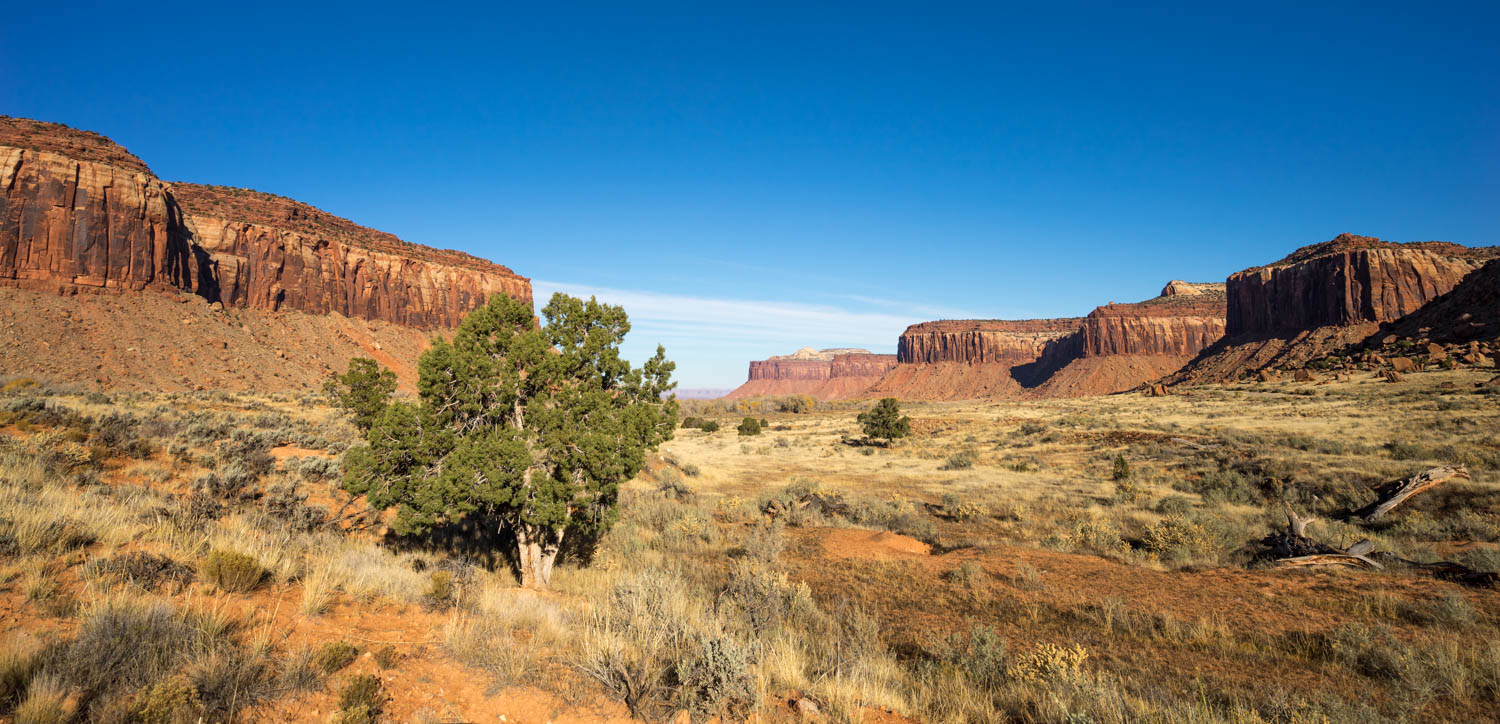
x=884, y=421
x=362, y=391
x=533, y=428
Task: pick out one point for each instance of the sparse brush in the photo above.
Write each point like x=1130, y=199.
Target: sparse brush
x=139, y=568
x=361, y=700
x=46, y=702
x=967, y=574
x=19, y=660
x=231, y=571
x=387, y=657
x=335, y=655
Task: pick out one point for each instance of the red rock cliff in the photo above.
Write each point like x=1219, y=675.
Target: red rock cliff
x=860, y=364
x=980, y=340
x=1324, y=297
x=830, y=374
x=1348, y=280
x=275, y=253
x=78, y=211
x=1175, y=324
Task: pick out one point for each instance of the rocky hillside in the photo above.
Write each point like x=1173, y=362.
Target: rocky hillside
x=272, y=252
x=829, y=374
x=1325, y=297
x=1116, y=347
x=80, y=214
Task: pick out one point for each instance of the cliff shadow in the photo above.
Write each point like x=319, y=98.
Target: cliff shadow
x=1056, y=354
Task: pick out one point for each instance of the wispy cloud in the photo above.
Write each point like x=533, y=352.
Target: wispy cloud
x=707, y=320
x=926, y=311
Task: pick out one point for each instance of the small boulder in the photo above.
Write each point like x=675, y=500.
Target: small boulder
x=1436, y=352
x=1392, y=376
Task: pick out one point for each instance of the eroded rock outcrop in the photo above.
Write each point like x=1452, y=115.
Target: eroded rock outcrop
x=829, y=374
x=275, y=253
x=1348, y=280
x=80, y=213
x=1322, y=298
x=1116, y=347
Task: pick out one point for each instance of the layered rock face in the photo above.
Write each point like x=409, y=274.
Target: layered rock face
x=1116, y=347
x=1348, y=280
x=1325, y=297
x=830, y=374
x=88, y=224
x=980, y=340
x=78, y=212
x=1175, y=324
x=275, y=253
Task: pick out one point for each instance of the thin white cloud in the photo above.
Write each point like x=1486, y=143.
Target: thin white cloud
x=707, y=320
x=927, y=311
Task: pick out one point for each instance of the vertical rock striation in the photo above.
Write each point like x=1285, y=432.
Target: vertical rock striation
x=830, y=374
x=80, y=213
x=1324, y=297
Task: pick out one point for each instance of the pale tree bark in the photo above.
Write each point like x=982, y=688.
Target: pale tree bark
x=537, y=548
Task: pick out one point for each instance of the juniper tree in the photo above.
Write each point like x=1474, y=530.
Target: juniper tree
x=532, y=428
x=362, y=391
x=884, y=421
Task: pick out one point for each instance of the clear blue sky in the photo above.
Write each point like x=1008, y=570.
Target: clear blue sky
x=749, y=180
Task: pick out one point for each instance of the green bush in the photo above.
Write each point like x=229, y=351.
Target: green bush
x=361, y=700
x=748, y=427
x=962, y=460
x=1121, y=469
x=387, y=657
x=232, y=572
x=335, y=655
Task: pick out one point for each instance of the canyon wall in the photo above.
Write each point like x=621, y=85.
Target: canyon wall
x=275, y=253
x=830, y=374
x=154, y=285
x=1116, y=347
x=79, y=213
x=1324, y=297
x=1348, y=280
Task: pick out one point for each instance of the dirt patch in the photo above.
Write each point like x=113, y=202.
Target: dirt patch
x=869, y=544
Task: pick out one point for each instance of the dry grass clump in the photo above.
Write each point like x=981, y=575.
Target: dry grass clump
x=231, y=571
x=335, y=655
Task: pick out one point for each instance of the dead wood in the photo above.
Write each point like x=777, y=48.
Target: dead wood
x=1392, y=494
x=1330, y=559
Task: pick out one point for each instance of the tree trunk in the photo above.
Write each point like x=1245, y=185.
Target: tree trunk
x=1393, y=494
x=537, y=549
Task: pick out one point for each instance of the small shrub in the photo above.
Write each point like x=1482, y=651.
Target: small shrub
x=174, y=701
x=361, y=700
x=46, y=702
x=749, y=427
x=1049, y=663
x=335, y=655
x=387, y=657
x=1176, y=538
x=968, y=574
x=1174, y=505
x=19, y=661
x=962, y=460
x=1121, y=469
x=232, y=572
x=139, y=568
x=440, y=589
x=981, y=656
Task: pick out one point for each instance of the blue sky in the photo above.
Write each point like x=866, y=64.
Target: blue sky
x=752, y=179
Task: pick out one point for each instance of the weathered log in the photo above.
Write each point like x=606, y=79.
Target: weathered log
x=1295, y=524
x=1395, y=493
x=1330, y=559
